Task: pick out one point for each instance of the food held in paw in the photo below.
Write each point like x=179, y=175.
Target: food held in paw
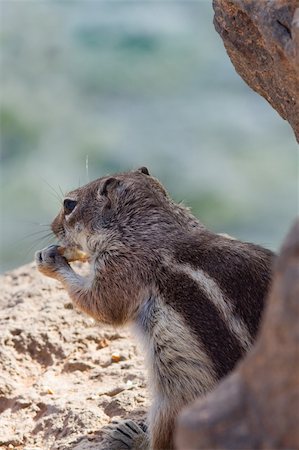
x=72, y=254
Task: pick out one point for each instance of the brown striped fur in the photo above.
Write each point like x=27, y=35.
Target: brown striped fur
x=193, y=296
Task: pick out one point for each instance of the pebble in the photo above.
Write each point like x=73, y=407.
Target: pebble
x=116, y=357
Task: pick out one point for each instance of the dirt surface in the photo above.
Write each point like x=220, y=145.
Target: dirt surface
x=62, y=375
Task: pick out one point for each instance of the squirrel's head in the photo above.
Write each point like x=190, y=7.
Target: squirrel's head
x=109, y=209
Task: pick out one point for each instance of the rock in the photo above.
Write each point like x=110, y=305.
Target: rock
x=262, y=40
x=71, y=366
x=52, y=369
x=257, y=406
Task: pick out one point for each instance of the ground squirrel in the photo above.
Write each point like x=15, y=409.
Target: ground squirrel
x=194, y=297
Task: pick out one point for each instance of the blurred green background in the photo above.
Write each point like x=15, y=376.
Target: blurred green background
x=132, y=83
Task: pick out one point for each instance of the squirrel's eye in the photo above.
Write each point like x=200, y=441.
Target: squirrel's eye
x=69, y=205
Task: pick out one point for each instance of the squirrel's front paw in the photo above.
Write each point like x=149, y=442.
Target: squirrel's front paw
x=50, y=262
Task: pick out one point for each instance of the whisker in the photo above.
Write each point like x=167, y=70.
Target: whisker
x=87, y=168
x=42, y=224
x=54, y=192
x=46, y=240
x=33, y=235
x=56, y=197
x=29, y=222
x=61, y=191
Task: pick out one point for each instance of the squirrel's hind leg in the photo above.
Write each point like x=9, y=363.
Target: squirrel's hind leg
x=125, y=435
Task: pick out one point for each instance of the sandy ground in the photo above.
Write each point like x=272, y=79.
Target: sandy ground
x=62, y=376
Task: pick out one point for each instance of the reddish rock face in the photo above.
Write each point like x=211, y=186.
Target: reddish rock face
x=262, y=41
x=258, y=405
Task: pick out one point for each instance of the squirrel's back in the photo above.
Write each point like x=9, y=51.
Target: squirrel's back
x=214, y=288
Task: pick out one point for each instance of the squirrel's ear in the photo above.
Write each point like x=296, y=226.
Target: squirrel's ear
x=108, y=185
x=143, y=170
x=106, y=191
